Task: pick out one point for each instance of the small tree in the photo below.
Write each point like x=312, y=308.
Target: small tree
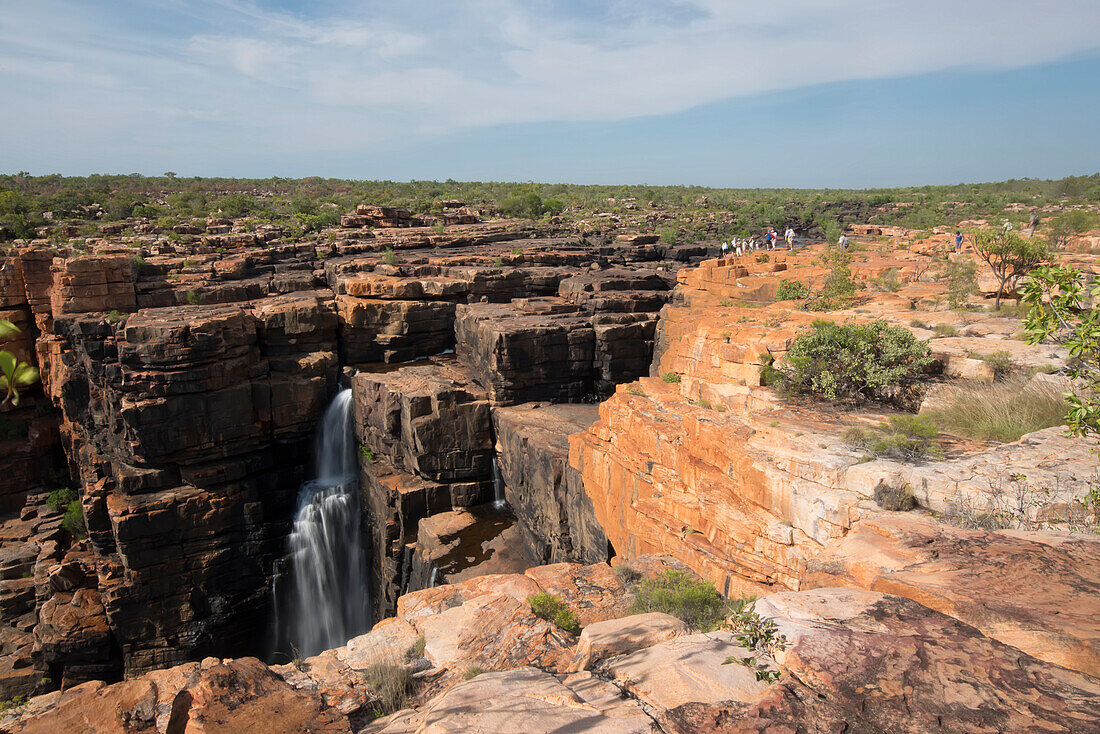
x=1062, y=311
x=962, y=276
x=838, y=287
x=1008, y=255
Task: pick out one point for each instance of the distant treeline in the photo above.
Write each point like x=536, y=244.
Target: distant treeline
x=313, y=203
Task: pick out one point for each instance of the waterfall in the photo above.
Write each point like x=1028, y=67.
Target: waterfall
x=498, y=484
x=326, y=594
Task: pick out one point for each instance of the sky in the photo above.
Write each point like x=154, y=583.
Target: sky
x=771, y=93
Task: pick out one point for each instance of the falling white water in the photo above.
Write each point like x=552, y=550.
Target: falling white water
x=498, y=484
x=329, y=600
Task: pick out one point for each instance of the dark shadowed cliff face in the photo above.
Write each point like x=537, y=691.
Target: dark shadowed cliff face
x=183, y=389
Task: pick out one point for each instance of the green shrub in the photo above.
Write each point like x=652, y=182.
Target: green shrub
x=681, y=595
x=12, y=703
x=909, y=438
x=73, y=521
x=791, y=290
x=389, y=257
x=367, y=453
x=763, y=257
x=192, y=298
x=857, y=362
x=672, y=378
x=553, y=609
x=59, y=499
x=67, y=502
x=759, y=636
x=635, y=390
x=1002, y=412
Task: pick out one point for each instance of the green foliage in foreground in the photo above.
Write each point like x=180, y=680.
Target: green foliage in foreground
x=683, y=596
x=14, y=375
x=553, y=609
x=856, y=362
x=1062, y=311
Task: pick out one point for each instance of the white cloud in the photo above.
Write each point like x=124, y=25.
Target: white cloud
x=184, y=75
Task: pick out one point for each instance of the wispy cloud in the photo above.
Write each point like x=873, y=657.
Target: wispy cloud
x=177, y=76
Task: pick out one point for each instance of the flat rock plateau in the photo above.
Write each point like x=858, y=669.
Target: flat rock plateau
x=538, y=408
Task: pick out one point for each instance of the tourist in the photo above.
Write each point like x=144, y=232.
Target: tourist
x=789, y=236
x=843, y=241
x=958, y=241
x=725, y=248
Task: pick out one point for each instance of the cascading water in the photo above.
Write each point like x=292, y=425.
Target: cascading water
x=498, y=484
x=325, y=598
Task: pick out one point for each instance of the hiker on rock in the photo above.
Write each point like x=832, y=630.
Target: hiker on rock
x=958, y=241
x=789, y=236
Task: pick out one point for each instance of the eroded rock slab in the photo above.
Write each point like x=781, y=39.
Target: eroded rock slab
x=1039, y=592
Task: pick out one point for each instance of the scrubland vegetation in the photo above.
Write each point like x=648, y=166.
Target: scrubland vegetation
x=693, y=212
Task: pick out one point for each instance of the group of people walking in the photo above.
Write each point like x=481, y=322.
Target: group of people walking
x=739, y=246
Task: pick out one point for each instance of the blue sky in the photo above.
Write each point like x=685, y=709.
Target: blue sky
x=800, y=93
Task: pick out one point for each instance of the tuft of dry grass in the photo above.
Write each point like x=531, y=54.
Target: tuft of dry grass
x=1002, y=411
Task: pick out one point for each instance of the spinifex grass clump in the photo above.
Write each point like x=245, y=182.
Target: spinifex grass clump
x=909, y=438
x=1002, y=411
x=679, y=594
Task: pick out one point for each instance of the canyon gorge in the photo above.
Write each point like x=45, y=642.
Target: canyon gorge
x=297, y=461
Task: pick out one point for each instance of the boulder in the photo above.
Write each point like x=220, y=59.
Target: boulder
x=527, y=700
x=612, y=637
